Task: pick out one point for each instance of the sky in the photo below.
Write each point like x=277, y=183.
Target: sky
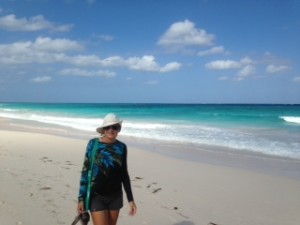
x=150, y=51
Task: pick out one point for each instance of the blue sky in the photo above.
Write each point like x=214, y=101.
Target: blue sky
x=143, y=51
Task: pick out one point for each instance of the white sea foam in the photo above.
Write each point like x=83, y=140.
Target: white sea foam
x=10, y=110
x=143, y=125
x=291, y=119
x=73, y=122
x=253, y=140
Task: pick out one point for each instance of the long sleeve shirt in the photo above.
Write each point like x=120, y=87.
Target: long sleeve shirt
x=109, y=170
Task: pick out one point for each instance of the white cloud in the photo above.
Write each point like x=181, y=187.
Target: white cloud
x=113, y=61
x=84, y=60
x=148, y=63
x=86, y=73
x=36, y=23
x=246, y=61
x=228, y=64
x=213, y=51
x=245, y=67
x=276, y=69
x=296, y=80
x=223, y=65
x=45, y=50
x=170, y=67
x=41, y=44
x=44, y=79
x=246, y=71
x=56, y=45
x=42, y=50
x=185, y=33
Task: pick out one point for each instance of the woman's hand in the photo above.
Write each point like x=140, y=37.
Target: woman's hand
x=132, y=208
x=80, y=207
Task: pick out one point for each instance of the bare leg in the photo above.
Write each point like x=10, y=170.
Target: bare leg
x=113, y=217
x=105, y=217
x=100, y=217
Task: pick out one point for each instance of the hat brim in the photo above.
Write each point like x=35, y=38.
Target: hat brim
x=101, y=130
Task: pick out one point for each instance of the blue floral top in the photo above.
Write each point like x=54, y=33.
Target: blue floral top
x=109, y=170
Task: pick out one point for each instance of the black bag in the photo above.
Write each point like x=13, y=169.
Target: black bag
x=84, y=218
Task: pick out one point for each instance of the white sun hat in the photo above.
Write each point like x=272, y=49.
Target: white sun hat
x=109, y=119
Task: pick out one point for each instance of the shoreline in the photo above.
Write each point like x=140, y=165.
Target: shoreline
x=246, y=160
x=40, y=180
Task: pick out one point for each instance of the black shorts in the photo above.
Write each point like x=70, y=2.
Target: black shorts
x=106, y=202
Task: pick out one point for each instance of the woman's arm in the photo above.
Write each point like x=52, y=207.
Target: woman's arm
x=126, y=178
x=127, y=185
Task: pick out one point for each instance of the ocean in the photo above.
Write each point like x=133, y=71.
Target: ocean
x=267, y=129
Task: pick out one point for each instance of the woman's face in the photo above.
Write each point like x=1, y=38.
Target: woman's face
x=111, y=132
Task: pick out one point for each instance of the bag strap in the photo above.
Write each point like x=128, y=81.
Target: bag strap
x=90, y=173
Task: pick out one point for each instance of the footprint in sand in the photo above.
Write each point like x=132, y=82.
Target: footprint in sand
x=46, y=159
x=66, y=168
x=69, y=163
x=45, y=188
x=156, y=190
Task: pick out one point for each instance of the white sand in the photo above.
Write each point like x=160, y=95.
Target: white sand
x=40, y=176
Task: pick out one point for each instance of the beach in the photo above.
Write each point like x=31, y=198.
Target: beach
x=40, y=169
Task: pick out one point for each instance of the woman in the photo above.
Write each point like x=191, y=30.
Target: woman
x=109, y=172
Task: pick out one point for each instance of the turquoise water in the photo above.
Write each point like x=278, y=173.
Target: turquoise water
x=267, y=129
